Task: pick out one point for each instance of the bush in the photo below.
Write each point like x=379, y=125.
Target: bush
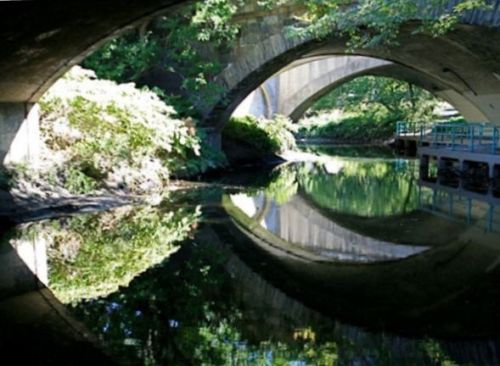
x=267, y=137
x=106, y=135
x=352, y=127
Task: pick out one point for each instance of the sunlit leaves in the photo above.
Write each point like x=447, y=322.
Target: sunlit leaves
x=267, y=137
x=370, y=23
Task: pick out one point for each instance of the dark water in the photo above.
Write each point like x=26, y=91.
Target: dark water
x=346, y=261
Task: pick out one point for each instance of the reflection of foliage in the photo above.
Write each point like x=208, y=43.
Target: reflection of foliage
x=364, y=188
x=168, y=316
x=283, y=185
x=351, y=151
x=92, y=255
x=265, y=136
x=186, y=313
x=435, y=353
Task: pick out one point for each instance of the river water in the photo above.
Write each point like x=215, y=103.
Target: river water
x=347, y=259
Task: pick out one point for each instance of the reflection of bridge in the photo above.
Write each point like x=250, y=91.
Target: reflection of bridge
x=422, y=293
x=300, y=224
x=279, y=315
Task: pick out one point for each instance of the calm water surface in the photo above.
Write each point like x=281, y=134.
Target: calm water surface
x=348, y=260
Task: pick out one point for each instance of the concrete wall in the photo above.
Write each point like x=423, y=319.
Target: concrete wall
x=19, y=133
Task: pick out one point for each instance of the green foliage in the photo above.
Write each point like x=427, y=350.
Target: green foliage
x=210, y=159
x=93, y=255
x=400, y=99
x=352, y=128
x=77, y=182
x=371, y=107
x=11, y=174
x=5, y=179
x=116, y=136
x=370, y=23
x=267, y=137
x=173, y=42
x=124, y=58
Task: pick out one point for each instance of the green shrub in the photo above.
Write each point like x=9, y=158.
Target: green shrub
x=77, y=182
x=351, y=127
x=266, y=136
x=112, y=135
x=6, y=179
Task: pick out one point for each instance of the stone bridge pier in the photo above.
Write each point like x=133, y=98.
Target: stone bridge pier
x=19, y=133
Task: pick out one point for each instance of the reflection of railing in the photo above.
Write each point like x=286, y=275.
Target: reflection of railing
x=471, y=137
x=454, y=203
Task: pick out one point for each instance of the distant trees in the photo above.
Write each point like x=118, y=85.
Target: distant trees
x=393, y=98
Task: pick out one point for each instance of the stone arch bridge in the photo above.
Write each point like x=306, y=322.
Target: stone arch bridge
x=295, y=88
x=40, y=43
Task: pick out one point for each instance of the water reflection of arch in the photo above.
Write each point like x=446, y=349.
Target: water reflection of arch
x=279, y=311
x=301, y=224
x=426, y=293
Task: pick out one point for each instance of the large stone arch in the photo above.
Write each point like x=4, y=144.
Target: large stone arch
x=462, y=65
x=293, y=90
x=40, y=42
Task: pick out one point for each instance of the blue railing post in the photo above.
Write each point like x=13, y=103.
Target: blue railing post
x=469, y=211
x=435, y=133
x=453, y=138
x=494, y=142
x=471, y=136
x=491, y=213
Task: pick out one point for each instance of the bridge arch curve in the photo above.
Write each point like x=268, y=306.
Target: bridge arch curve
x=292, y=91
x=460, y=67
